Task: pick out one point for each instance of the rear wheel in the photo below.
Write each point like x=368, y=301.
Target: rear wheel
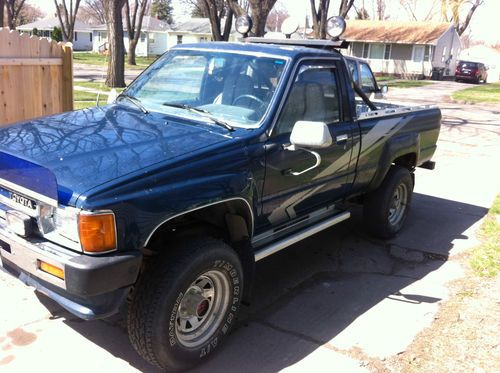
x=185, y=304
x=385, y=209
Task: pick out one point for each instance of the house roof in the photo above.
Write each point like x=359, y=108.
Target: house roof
x=50, y=23
x=148, y=24
x=194, y=25
x=395, y=31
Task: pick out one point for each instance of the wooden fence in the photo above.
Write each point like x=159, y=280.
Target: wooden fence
x=36, y=77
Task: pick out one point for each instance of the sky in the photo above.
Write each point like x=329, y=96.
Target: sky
x=481, y=27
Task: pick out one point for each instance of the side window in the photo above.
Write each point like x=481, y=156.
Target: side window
x=314, y=96
x=367, y=83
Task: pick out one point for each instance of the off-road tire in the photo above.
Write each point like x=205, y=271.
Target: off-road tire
x=160, y=293
x=379, y=209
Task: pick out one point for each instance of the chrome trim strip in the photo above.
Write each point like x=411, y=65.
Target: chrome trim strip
x=202, y=207
x=28, y=192
x=26, y=254
x=392, y=111
x=280, y=245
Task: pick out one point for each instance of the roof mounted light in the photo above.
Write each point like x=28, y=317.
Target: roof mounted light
x=335, y=26
x=289, y=26
x=243, y=24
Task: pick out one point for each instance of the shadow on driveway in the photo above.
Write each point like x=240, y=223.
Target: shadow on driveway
x=334, y=291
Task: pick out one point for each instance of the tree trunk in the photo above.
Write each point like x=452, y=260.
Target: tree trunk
x=2, y=9
x=345, y=6
x=132, y=44
x=116, y=61
x=260, y=11
x=462, y=27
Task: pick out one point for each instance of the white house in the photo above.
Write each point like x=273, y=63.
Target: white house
x=487, y=55
x=82, y=34
x=153, y=39
x=404, y=48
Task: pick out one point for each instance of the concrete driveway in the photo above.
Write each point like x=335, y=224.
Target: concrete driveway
x=339, y=301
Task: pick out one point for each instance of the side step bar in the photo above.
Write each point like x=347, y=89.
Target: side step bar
x=294, y=238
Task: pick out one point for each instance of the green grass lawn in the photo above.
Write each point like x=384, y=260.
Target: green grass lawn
x=83, y=99
x=485, y=259
x=482, y=93
x=94, y=85
x=101, y=59
x=385, y=78
x=408, y=83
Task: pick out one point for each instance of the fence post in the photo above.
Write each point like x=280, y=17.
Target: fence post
x=67, y=77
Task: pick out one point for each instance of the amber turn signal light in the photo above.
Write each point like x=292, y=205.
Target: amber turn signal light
x=97, y=232
x=51, y=269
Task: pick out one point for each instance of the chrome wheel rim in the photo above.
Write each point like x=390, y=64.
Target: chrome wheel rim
x=398, y=204
x=202, y=309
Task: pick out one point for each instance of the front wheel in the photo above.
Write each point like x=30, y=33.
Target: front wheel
x=185, y=304
x=385, y=209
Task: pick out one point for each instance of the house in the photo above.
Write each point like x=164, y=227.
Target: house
x=194, y=30
x=404, y=48
x=82, y=34
x=153, y=40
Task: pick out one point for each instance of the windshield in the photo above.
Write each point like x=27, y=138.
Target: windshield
x=230, y=87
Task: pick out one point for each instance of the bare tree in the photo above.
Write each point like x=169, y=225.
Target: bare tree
x=414, y=10
x=319, y=17
x=116, y=60
x=134, y=25
x=67, y=17
x=220, y=14
x=454, y=7
x=276, y=16
x=344, y=7
x=2, y=10
x=260, y=9
x=362, y=13
x=380, y=9
x=93, y=11
x=14, y=8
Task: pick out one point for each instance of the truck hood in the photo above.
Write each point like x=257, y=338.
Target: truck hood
x=86, y=148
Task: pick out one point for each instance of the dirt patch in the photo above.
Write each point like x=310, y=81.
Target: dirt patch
x=464, y=335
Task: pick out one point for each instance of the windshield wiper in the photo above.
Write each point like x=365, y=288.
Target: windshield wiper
x=203, y=113
x=135, y=101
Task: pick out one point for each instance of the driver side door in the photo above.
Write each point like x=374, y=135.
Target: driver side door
x=315, y=95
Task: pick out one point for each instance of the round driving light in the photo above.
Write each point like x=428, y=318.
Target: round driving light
x=243, y=24
x=289, y=26
x=335, y=26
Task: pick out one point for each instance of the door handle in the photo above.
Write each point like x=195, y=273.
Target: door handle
x=341, y=138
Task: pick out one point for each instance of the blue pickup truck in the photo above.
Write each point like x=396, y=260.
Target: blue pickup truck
x=217, y=156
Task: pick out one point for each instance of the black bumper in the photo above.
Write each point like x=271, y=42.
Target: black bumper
x=93, y=286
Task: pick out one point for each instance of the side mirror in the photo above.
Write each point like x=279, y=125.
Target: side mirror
x=307, y=134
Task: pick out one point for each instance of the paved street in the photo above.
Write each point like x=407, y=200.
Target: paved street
x=339, y=301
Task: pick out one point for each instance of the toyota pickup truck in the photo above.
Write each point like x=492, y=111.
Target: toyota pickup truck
x=217, y=156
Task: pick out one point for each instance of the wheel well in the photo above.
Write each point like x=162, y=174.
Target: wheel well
x=231, y=221
x=408, y=161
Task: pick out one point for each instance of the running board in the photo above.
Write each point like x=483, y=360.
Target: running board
x=294, y=238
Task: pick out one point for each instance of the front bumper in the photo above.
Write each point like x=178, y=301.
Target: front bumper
x=93, y=286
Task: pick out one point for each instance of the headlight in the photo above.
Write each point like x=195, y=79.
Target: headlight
x=289, y=26
x=243, y=24
x=335, y=26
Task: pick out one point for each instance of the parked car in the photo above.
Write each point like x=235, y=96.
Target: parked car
x=217, y=156
x=475, y=72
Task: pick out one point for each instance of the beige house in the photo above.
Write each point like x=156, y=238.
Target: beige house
x=193, y=30
x=404, y=48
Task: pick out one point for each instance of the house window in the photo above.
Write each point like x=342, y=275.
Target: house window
x=179, y=39
x=443, y=57
x=152, y=38
x=76, y=36
x=387, y=51
x=418, y=53
x=203, y=39
x=376, y=51
x=90, y=37
x=366, y=48
x=143, y=37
